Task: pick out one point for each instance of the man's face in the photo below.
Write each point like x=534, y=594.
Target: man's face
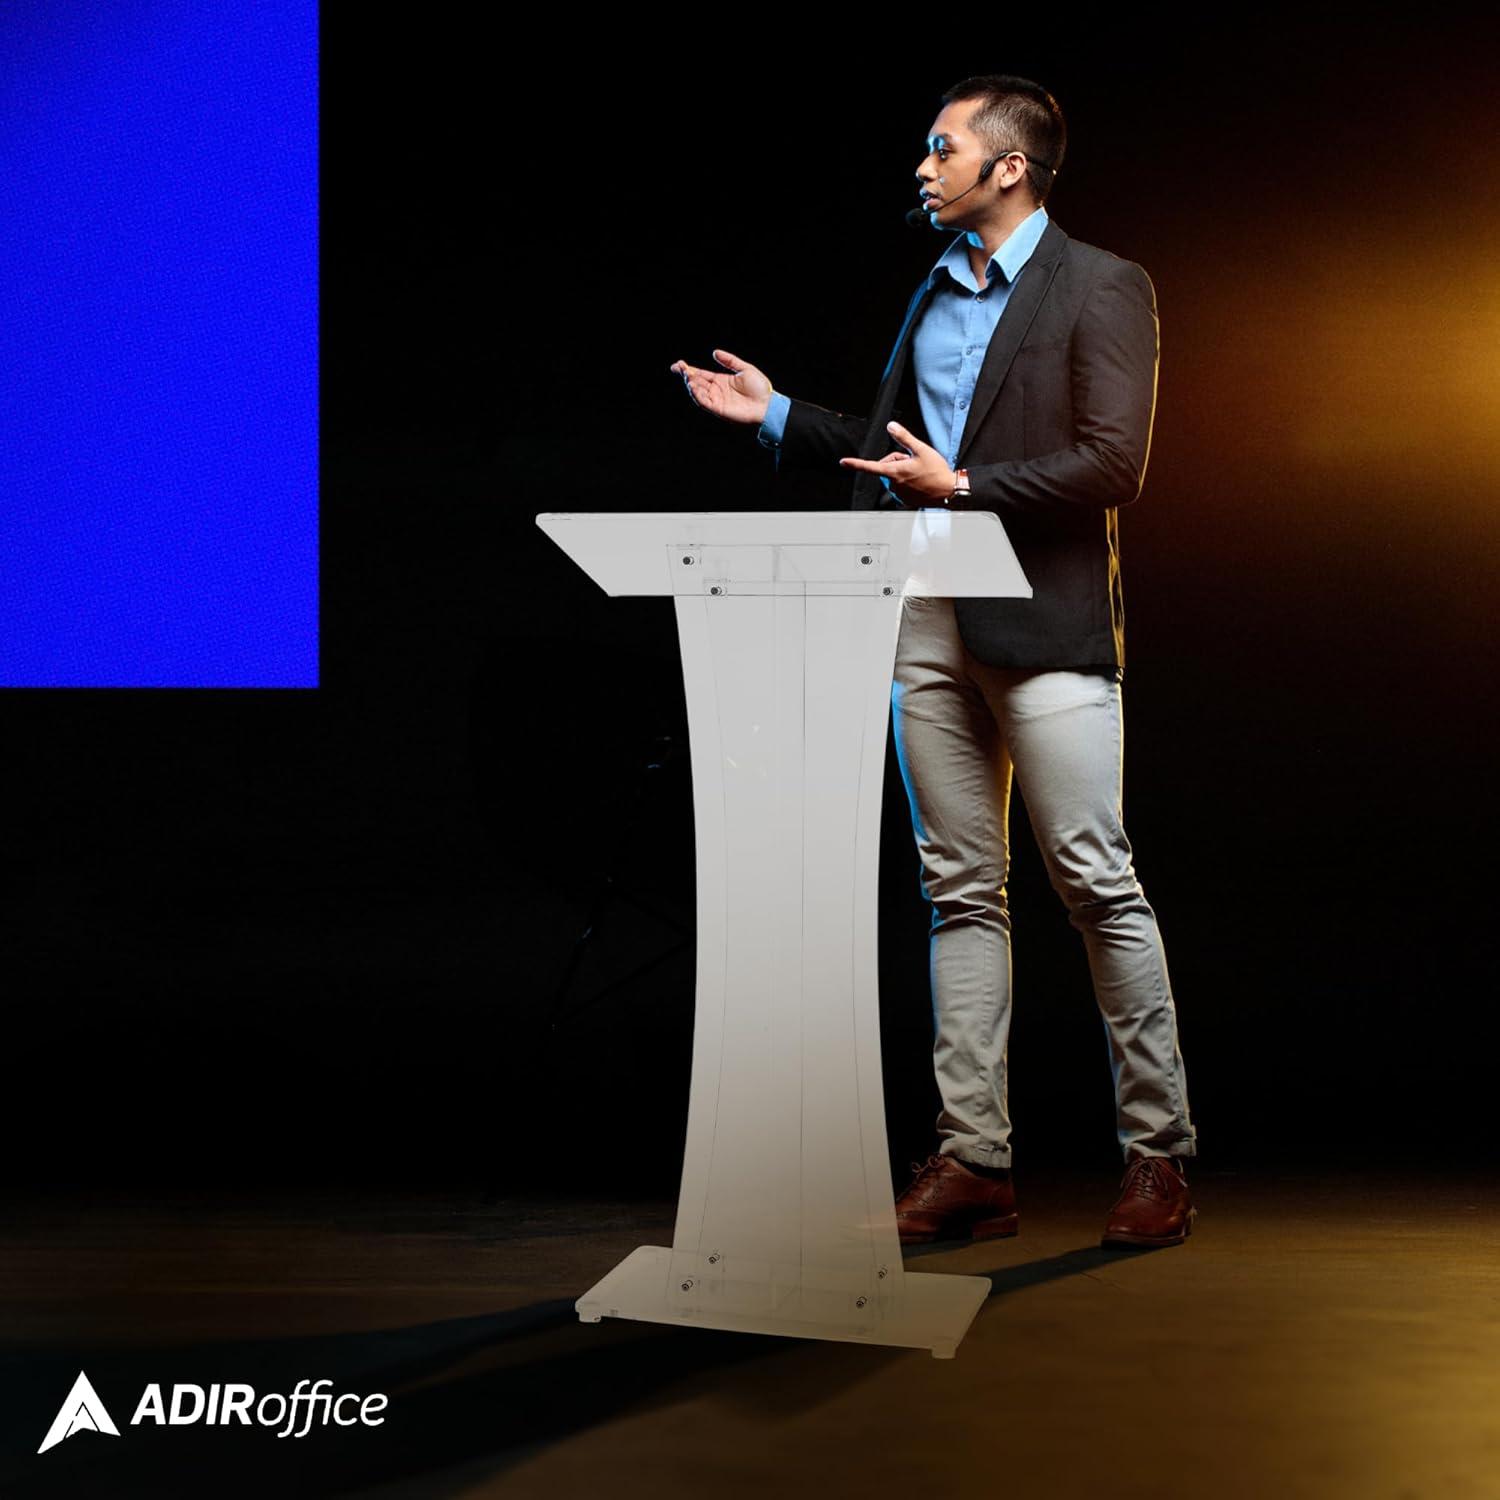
x=954, y=157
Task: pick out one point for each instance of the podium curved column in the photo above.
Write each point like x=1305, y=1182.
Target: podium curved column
x=788, y=627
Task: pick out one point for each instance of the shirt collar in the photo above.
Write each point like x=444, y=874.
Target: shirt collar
x=1008, y=259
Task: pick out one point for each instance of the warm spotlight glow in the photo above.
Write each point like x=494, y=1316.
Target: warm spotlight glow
x=1398, y=367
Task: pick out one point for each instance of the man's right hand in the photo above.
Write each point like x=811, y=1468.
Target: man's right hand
x=740, y=396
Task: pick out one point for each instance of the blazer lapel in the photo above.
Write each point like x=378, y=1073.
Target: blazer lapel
x=877, y=439
x=1020, y=308
x=868, y=491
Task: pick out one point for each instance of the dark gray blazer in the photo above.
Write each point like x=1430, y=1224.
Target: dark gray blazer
x=1057, y=437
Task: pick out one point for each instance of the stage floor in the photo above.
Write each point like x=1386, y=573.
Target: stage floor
x=1321, y=1334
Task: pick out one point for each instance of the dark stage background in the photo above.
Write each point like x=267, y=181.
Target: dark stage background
x=320, y=936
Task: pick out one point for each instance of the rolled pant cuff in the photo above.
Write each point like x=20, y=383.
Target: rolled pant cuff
x=984, y=1156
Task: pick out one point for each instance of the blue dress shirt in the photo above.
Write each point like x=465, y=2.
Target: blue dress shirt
x=949, y=342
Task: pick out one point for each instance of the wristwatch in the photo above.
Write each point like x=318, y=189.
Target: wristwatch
x=960, y=487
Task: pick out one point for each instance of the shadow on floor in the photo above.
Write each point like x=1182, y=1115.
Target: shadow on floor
x=468, y=1397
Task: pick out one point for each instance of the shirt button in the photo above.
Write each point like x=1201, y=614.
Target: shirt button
x=962, y=404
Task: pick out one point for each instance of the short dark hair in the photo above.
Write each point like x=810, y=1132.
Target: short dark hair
x=1022, y=116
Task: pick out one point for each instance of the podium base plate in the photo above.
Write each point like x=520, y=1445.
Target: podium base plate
x=930, y=1312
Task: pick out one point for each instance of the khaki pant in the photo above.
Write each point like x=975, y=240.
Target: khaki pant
x=961, y=728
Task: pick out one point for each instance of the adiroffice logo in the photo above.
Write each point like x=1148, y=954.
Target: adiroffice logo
x=218, y=1405
x=83, y=1411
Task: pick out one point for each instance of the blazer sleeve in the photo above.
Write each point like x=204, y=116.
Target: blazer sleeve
x=813, y=436
x=1114, y=359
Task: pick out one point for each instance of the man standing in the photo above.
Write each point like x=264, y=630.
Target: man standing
x=1025, y=372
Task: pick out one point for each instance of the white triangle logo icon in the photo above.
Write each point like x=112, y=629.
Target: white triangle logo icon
x=83, y=1411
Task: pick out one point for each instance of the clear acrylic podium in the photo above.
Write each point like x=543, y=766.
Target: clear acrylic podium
x=788, y=624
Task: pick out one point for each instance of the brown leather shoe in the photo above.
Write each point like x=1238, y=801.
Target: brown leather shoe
x=1155, y=1207
x=947, y=1201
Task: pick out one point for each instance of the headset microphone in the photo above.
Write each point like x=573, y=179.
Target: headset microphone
x=916, y=216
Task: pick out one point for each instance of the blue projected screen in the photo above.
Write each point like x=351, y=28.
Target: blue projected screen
x=159, y=343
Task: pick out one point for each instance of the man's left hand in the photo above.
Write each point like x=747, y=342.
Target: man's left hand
x=918, y=477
